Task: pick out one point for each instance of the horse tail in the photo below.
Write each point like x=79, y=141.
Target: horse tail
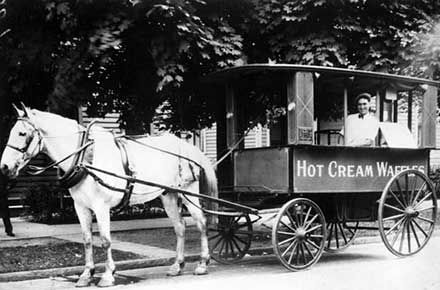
x=208, y=183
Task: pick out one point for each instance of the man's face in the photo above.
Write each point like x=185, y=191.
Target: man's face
x=363, y=106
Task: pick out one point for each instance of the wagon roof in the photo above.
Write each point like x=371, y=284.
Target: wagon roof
x=238, y=72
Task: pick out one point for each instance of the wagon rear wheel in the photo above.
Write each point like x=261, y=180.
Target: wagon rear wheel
x=340, y=235
x=407, y=212
x=299, y=234
x=230, y=239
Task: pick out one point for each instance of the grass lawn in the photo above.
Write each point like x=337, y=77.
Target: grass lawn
x=54, y=254
x=166, y=239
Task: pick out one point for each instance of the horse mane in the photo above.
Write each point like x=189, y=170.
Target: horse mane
x=50, y=118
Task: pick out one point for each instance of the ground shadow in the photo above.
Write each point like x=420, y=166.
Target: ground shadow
x=336, y=257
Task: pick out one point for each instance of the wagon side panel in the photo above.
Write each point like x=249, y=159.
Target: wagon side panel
x=351, y=170
x=262, y=170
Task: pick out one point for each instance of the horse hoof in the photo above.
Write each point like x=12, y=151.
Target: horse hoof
x=106, y=282
x=83, y=282
x=175, y=270
x=201, y=270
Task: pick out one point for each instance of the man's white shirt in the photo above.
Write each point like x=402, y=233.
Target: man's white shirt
x=360, y=128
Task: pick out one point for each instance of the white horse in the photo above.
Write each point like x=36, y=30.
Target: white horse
x=37, y=131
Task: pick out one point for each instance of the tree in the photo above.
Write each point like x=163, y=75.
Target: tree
x=114, y=55
x=362, y=34
x=426, y=53
x=133, y=56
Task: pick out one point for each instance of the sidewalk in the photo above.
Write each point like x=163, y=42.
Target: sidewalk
x=29, y=230
x=27, y=233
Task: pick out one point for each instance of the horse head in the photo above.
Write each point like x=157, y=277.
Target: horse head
x=24, y=143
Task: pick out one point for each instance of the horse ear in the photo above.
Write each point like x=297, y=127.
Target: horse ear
x=25, y=110
x=18, y=112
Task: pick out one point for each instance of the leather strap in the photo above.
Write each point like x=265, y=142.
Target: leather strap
x=130, y=184
x=76, y=173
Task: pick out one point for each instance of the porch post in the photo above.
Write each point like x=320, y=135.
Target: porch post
x=300, y=108
x=429, y=118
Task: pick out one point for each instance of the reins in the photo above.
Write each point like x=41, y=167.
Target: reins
x=36, y=170
x=78, y=166
x=78, y=153
x=233, y=147
x=160, y=150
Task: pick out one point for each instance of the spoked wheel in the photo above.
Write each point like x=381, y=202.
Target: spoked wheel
x=298, y=234
x=230, y=239
x=407, y=212
x=340, y=235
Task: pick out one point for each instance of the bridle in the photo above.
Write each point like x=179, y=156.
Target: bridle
x=26, y=155
x=36, y=170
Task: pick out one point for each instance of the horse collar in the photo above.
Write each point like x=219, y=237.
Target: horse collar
x=76, y=172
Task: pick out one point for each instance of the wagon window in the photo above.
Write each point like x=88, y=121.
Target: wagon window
x=329, y=110
x=262, y=110
x=391, y=102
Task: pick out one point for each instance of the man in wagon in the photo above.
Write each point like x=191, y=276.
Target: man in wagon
x=361, y=128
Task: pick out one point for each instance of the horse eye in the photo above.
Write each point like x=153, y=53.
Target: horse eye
x=22, y=134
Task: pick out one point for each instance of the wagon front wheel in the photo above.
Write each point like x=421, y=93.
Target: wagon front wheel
x=230, y=239
x=407, y=212
x=299, y=234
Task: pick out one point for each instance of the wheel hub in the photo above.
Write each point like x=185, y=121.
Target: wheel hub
x=228, y=232
x=411, y=212
x=301, y=233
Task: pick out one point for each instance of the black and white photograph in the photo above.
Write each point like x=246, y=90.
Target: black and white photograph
x=219, y=144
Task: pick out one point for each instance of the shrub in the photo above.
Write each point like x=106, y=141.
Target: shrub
x=43, y=204
x=435, y=177
x=152, y=209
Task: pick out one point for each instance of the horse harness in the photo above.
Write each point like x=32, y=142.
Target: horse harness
x=77, y=171
x=84, y=155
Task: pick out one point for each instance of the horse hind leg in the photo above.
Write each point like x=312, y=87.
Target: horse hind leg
x=194, y=208
x=172, y=208
x=85, y=218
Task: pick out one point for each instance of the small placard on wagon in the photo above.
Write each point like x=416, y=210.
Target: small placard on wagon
x=305, y=135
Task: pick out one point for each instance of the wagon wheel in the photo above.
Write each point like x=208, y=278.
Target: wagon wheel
x=298, y=234
x=407, y=212
x=230, y=239
x=340, y=235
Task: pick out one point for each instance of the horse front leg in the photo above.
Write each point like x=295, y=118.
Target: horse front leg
x=103, y=218
x=172, y=209
x=85, y=218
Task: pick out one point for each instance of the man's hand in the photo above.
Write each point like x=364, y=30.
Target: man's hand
x=366, y=142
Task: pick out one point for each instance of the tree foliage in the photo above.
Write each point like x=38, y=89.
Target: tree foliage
x=114, y=55
x=133, y=56
x=362, y=34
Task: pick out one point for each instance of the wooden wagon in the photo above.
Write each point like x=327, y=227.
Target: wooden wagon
x=318, y=191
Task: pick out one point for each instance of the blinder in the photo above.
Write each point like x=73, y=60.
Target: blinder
x=24, y=150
